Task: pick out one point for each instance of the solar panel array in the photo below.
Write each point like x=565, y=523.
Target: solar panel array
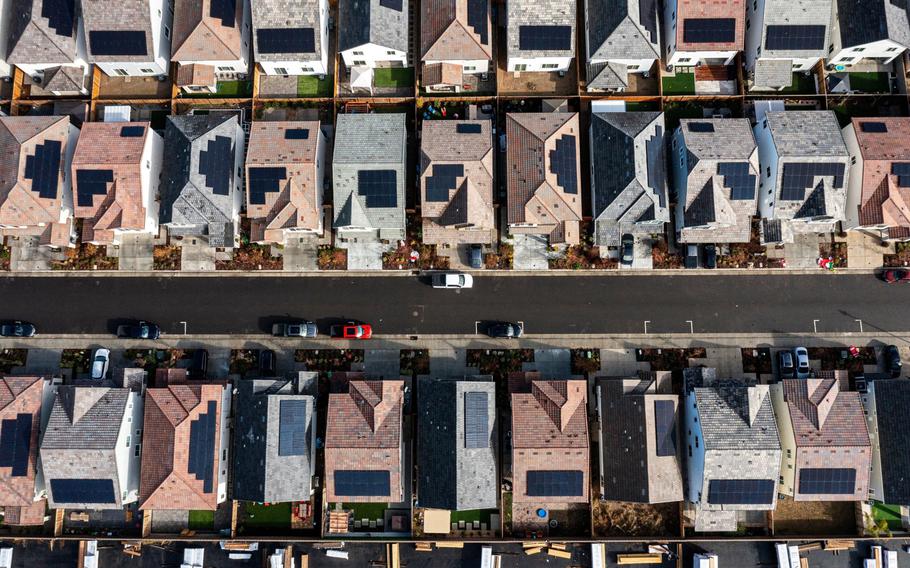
x=216, y=163
x=795, y=37
x=117, y=42
x=292, y=428
x=15, y=442
x=563, y=163
x=701, y=127
x=647, y=16
x=800, y=176
x=476, y=420
x=467, y=128
x=44, y=168
x=443, y=180
x=741, y=491
x=97, y=491
x=555, y=483
x=379, y=187
x=297, y=134
x=286, y=40
x=902, y=171
x=738, y=179
x=60, y=15
x=264, y=180
x=90, y=183
x=709, y=30
x=362, y=483
x=224, y=10
x=391, y=4
x=477, y=18
x=827, y=481
x=201, y=459
x=544, y=38
x=665, y=427
x=132, y=131
x=873, y=127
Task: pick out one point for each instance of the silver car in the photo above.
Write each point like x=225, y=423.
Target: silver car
x=100, y=363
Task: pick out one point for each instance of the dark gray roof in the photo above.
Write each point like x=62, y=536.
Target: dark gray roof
x=622, y=29
x=286, y=14
x=368, y=21
x=867, y=21
x=85, y=418
x=539, y=13
x=892, y=399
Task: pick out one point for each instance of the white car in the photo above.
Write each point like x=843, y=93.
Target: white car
x=452, y=280
x=100, y=363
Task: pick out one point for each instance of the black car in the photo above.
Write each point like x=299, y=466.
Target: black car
x=138, y=330
x=199, y=365
x=785, y=366
x=476, y=252
x=892, y=359
x=628, y=249
x=710, y=256
x=504, y=329
x=17, y=329
x=266, y=363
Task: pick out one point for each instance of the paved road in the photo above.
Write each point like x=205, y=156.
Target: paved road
x=783, y=303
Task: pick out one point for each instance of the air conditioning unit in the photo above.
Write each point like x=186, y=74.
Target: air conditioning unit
x=162, y=78
x=36, y=79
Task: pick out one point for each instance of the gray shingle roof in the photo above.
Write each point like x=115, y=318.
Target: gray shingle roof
x=867, y=21
x=122, y=15
x=539, y=13
x=366, y=21
x=607, y=75
x=806, y=133
x=283, y=14
x=31, y=38
x=622, y=29
x=773, y=73
x=796, y=13
x=892, y=399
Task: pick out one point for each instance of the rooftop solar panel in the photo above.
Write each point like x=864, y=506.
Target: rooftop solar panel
x=873, y=127
x=286, y=40
x=563, y=163
x=129, y=42
x=362, y=483
x=297, y=134
x=737, y=177
x=467, y=128
x=442, y=181
x=709, y=30
x=647, y=15
x=292, y=428
x=60, y=15
x=827, y=481
x=795, y=37
x=392, y=4
x=476, y=420
x=15, y=442
x=902, y=171
x=201, y=452
x=800, y=176
x=132, y=131
x=225, y=10
x=379, y=187
x=43, y=168
x=544, y=38
x=90, y=183
x=264, y=180
x=701, y=127
x=99, y=491
x=477, y=18
x=216, y=163
x=555, y=483
x=741, y=491
x=665, y=427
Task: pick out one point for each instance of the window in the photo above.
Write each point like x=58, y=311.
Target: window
x=632, y=67
x=830, y=48
x=121, y=72
x=138, y=433
x=859, y=49
x=223, y=68
x=128, y=440
x=847, y=60
x=281, y=70
x=360, y=62
x=138, y=450
x=891, y=49
x=768, y=170
x=469, y=68
x=521, y=67
x=150, y=71
x=390, y=52
x=549, y=66
x=357, y=52
x=223, y=455
x=167, y=31
x=853, y=160
x=306, y=69
x=685, y=59
x=748, y=23
x=690, y=451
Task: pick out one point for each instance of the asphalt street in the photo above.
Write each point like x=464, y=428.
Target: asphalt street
x=711, y=303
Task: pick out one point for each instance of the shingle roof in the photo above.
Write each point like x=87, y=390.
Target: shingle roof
x=32, y=40
x=607, y=75
x=369, y=21
x=796, y=13
x=867, y=21
x=773, y=73
x=368, y=416
x=719, y=9
x=552, y=415
x=883, y=200
x=85, y=418
x=539, y=13
x=21, y=396
x=806, y=133
x=447, y=33
x=281, y=14
x=824, y=416
x=892, y=399
x=201, y=34
x=122, y=15
x=623, y=29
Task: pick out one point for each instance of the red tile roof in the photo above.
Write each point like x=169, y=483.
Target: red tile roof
x=824, y=416
x=446, y=35
x=882, y=201
x=689, y=9
x=21, y=395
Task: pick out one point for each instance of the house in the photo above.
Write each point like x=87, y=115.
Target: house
x=90, y=449
x=622, y=37
x=187, y=442
x=878, y=190
x=541, y=36
x=368, y=172
x=543, y=184
x=715, y=172
x=550, y=449
x=117, y=172
x=373, y=33
x=826, y=451
x=784, y=37
x=639, y=439
x=129, y=37
x=274, y=442
x=285, y=173
x=455, y=40
x=628, y=175
x=291, y=37
x=201, y=189
x=22, y=491
x=868, y=29
x=805, y=173
x=886, y=404
x=457, y=443
x=703, y=33
x=211, y=41
x=36, y=193
x=47, y=42
x=6, y=70
x=363, y=443
x=456, y=182
x=733, y=449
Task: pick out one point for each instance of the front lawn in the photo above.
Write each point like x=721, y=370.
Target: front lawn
x=311, y=86
x=679, y=84
x=393, y=78
x=869, y=82
x=201, y=520
x=276, y=515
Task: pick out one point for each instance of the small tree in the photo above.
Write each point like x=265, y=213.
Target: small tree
x=875, y=528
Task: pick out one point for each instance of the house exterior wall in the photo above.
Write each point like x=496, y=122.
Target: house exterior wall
x=66, y=197
x=47, y=403
x=224, y=455
x=768, y=162
x=787, y=440
x=129, y=452
x=5, y=15
x=469, y=66
x=755, y=27
x=152, y=159
x=884, y=49
x=680, y=176
x=695, y=450
x=876, y=483
x=539, y=64
x=372, y=55
x=855, y=179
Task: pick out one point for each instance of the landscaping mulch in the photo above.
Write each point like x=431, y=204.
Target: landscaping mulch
x=79, y=360
x=414, y=362
x=756, y=360
x=166, y=257
x=5, y=256
x=331, y=258
x=900, y=258
x=838, y=358
x=500, y=260
x=427, y=259
x=251, y=257
x=498, y=362
x=663, y=258
x=582, y=256
x=837, y=251
x=86, y=257
x=616, y=519
x=243, y=361
x=749, y=255
x=328, y=359
x=10, y=358
x=585, y=360
x=669, y=359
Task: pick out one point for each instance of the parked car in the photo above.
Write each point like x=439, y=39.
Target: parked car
x=504, y=330
x=139, y=330
x=896, y=275
x=100, y=363
x=710, y=256
x=802, y=362
x=692, y=256
x=199, y=365
x=892, y=358
x=786, y=368
x=266, y=363
x=628, y=249
x=351, y=330
x=476, y=252
x=295, y=329
x=17, y=329
x=452, y=280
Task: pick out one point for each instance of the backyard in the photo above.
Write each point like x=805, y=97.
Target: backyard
x=679, y=84
x=265, y=516
x=393, y=78
x=201, y=520
x=891, y=514
x=311, y=86
x=870, y=82
x=829, y=518
x=802, y=84
x=227, y=89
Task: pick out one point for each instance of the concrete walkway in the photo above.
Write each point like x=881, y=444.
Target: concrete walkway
x=136, y=252
x=26, y=254
x=530, y=252
x=300, y=253
x=197, y=257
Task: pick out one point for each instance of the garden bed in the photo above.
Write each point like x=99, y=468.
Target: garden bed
x=79, y=360
x=838, y=358
x=661, y=257
x=250, y=256
x=426, y=257
x=616, y=519
x=498, y=362
x=5, y=256
x=331, y=258
x=835, y=251
x=809, y=518
x=414, y=362
x=500, y=260
x=669, y=359
x=756, y=360
x=10, y=358
x=166, y=257
x=328, y=359
x=900, y=258
x=583, y=256
x=243, y=361
x=86, y=257
x=585, y=360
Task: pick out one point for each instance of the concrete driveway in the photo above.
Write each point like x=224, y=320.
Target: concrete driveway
x=530, y=252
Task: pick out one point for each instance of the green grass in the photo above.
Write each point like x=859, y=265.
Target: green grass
x=311, y=86
x=370, y=511
x=397, y=77
x=680, y=84
x=237, y=89
x=801, y=84
x=869, y=82
x=890, y=513
x=642, y=105
x=277, y=515
x=201, y=520
x=482, y=515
